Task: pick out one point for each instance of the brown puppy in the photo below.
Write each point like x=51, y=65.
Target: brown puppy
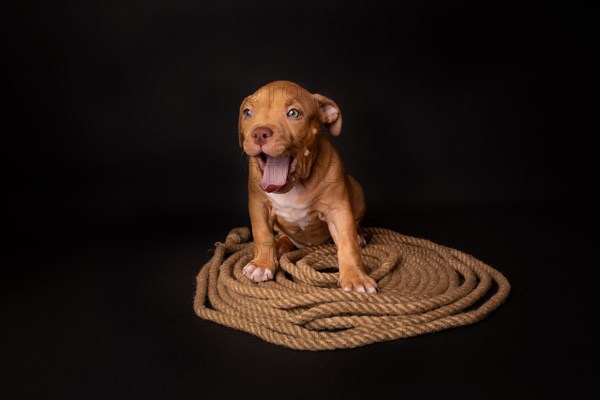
x=297, y=185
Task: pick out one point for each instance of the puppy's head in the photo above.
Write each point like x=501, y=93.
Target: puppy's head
x=278, y=125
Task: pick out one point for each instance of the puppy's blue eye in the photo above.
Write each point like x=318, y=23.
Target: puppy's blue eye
x=247, y=112
x=294, y=113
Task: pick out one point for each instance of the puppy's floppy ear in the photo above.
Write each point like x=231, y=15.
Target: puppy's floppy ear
x=240, y=133
x=329, y=114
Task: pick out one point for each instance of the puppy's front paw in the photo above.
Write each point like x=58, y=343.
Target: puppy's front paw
x=258, y=272
x=357, y=282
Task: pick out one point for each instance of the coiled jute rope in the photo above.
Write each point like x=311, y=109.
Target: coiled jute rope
x=423, y=288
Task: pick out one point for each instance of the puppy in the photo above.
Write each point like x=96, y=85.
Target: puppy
x=297, y=186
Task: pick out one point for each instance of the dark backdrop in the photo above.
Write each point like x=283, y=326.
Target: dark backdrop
x=120, y=135
x=128, y=110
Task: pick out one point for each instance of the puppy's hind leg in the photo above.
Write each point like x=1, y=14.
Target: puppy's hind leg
x=363, y=237
x=284, y=245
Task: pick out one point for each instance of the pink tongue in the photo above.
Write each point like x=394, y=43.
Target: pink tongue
x=275, y=173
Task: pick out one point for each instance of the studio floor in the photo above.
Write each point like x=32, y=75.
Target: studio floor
x=107, y=314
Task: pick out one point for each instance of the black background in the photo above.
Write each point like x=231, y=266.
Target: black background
x=463, y=120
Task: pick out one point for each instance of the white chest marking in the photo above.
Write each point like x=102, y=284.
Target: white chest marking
x=288, y=206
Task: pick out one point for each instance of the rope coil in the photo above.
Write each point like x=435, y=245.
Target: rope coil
x=423, y=287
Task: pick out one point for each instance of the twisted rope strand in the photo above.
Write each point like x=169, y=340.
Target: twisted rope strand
x=424, y=287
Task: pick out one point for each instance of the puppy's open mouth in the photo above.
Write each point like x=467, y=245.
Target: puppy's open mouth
x=276, y=171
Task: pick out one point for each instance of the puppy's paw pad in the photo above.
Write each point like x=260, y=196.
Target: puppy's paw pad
x=257, y=274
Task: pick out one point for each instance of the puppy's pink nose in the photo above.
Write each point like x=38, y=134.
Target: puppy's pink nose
x=261, y=135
